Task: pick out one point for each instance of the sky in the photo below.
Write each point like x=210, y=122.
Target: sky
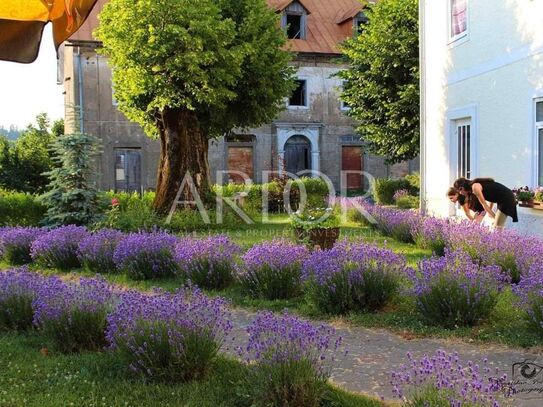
x=29, y=89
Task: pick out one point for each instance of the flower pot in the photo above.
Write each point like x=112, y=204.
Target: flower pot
x=527, y=204
x=325, y=238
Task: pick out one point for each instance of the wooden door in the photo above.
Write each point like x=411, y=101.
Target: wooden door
x=351, y=160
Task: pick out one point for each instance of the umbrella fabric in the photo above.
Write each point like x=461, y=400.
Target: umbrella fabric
x=22, y=22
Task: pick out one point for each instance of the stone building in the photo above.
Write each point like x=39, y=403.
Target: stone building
x=312, y=133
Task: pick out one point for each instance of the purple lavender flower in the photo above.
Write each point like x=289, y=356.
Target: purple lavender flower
x=15, y=244
x=453, y=290
x=96, y=251
x=272, y=270
x=395, y=223
x=285, y=338
x=513, y=253
x=530, y=297
x=282, y=350
x=168, y=337
x=73, y=315
x=146, y=255
x=430, y=234
x=442, y=377
x=58, y=247
x=18, y=289
x=209, y=262
x=353, y=276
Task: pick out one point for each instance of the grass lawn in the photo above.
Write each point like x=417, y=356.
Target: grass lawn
x=505, y=326
x=31, y=377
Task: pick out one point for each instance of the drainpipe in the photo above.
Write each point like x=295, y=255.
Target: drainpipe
x=80, y=88
x=422, y=60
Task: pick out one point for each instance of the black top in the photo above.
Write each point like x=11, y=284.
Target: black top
x=472, y=201
x=502, y=196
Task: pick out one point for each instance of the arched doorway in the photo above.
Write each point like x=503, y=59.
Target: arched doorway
x=297, y=154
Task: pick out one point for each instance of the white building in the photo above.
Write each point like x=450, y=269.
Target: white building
x=481, y=97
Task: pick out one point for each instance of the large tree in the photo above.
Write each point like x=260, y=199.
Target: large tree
x=382, y=84
x=191, y=70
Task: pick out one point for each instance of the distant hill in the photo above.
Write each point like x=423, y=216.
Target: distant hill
x=12, y=133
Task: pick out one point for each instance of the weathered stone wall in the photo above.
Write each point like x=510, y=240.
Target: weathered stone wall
x=101, y=117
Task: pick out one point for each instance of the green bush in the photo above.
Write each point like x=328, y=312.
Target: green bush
x=20, y=209
x=131, y=213
x=408, y=202
x=414, y=181
x=385, y=188
x=316, y=189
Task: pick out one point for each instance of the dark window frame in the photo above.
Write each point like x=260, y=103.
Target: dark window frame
x=304, y=95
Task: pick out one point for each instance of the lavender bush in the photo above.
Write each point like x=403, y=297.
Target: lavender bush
x=442, y=381
x=513, y=253
x=96, y=251
x=353, y=277
x=73, y=316
x=168, y=337
x=208, y=263
x=454, y=291
x=395, y=223
x=272, y=270
x=144, y=256
x=430, y=234
x=289, y=360
x=58, y=248
x=530, y=294
x=18, y=289
x=16, y=243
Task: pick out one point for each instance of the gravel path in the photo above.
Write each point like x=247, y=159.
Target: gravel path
x=374, y=353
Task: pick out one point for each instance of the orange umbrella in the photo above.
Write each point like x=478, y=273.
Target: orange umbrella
x=22, y=22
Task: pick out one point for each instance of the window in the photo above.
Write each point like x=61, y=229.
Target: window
x=294, y=26
x=539, y=111
x=463, y=135
x=299, y=96
x=458, y=21
x=128, y=170
x=539, y=140
x=344, y=105
x=359, y=23
x=540, y=155
x=294, y=21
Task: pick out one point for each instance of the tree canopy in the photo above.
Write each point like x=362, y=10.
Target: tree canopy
x=382, y=84
x=221, y=59
x=23, y=162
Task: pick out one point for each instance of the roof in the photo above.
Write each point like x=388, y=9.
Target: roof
x=280, y=5
x=326, y=24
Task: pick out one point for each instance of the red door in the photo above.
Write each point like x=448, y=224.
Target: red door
x=351, y=160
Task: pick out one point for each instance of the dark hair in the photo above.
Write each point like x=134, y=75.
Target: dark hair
x=465, y=184
x=452, y=191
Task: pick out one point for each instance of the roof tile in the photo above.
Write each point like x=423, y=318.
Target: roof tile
x=326, y=24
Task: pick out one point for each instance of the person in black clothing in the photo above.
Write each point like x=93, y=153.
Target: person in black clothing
x=472, y=207
x=486, y=189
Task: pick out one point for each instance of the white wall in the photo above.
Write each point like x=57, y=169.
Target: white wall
x=493, y=75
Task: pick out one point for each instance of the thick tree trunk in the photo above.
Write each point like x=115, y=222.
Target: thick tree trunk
x=183, y=151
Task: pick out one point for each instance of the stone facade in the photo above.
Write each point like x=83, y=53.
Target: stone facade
x=322, y=122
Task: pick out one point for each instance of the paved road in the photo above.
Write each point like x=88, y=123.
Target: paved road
x=530, y=223
x=373, y=354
